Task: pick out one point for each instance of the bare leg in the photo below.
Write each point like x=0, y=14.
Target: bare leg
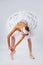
x=12, y=43
x=12, y=46
x=30, y=48
x=9, y=35
x=15, y=45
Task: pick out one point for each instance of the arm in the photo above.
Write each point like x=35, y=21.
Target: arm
x=19, y=41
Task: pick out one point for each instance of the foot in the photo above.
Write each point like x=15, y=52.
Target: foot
x=32, y=57
x=12, y=54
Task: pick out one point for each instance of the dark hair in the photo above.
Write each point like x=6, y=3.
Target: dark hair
x=27, y=28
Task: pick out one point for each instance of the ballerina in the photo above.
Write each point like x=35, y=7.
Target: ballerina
x=25, y=23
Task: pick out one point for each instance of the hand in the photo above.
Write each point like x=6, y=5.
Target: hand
x=11, y=49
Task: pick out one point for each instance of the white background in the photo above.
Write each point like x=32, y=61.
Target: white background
x=8, y=7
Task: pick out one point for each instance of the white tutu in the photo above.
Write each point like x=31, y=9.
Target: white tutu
x=29, y=18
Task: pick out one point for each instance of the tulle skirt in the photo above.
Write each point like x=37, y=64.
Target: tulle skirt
x=29, y=18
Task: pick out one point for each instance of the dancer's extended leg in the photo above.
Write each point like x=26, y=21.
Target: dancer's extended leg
x=30, y=49
x=12, y=46
x=12, y=43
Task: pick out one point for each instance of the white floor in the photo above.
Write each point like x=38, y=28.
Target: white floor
x=21, y=56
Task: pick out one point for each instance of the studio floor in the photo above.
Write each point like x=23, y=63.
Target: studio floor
x=22, y=55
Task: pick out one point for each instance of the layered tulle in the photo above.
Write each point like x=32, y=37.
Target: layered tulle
x=29, y=18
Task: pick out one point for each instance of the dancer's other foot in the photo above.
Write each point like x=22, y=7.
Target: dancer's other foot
x=32, y=57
